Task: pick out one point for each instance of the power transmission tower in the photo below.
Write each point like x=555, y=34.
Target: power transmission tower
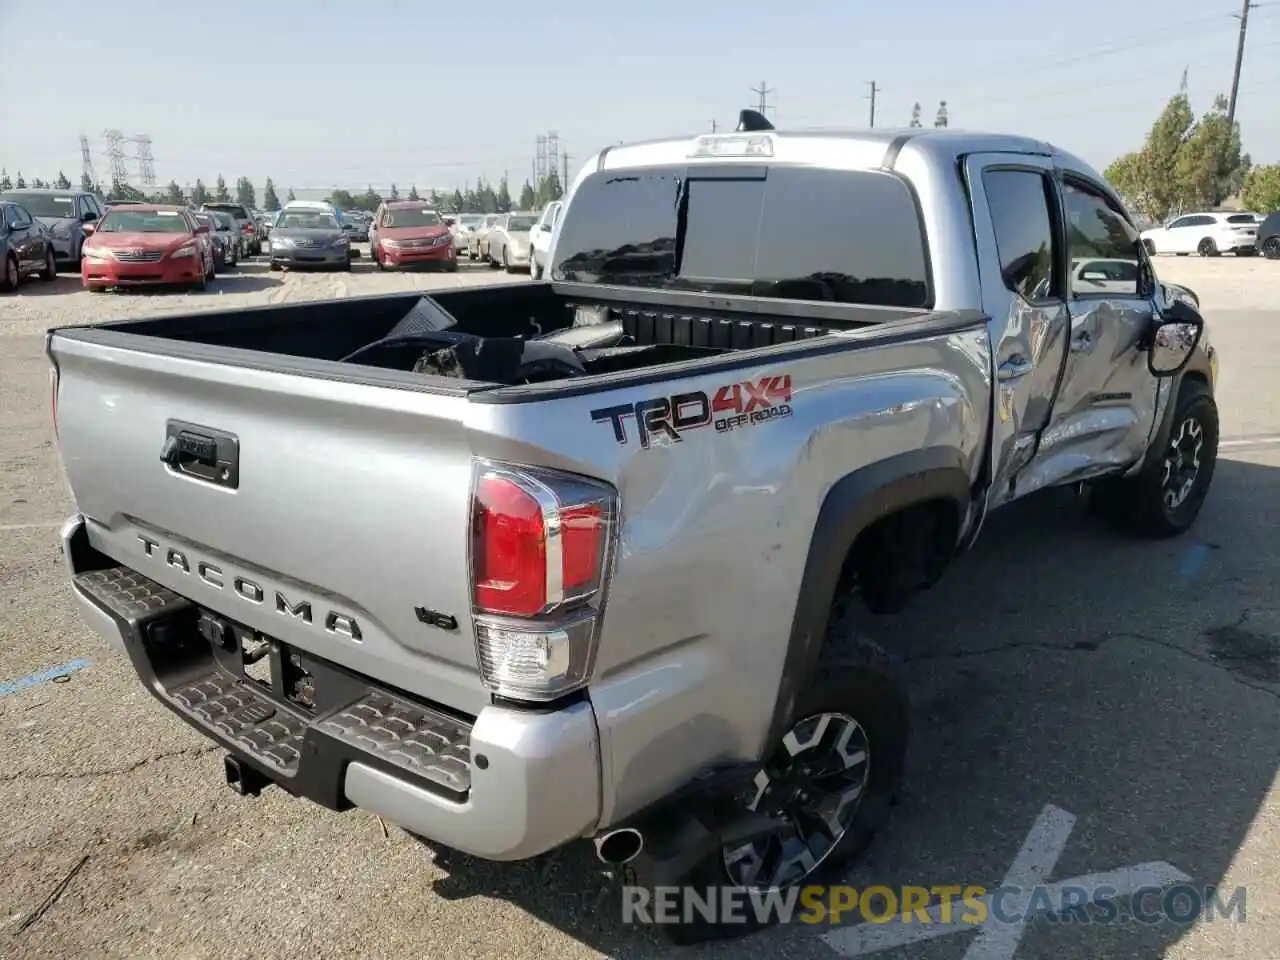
x=115, y=156
x=763, y=92
x=564, y=180
x=1235, y=78
x=553, y=153
x=86, y=159
x=540, y=159
x=713, y=126
x=874, y=90
x=146, y=162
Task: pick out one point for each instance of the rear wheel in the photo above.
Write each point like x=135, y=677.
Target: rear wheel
x=1207, y=248
x=1271, y=248
x=50, y=271
x=830, y=779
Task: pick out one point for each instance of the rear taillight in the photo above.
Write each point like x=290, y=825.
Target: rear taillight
x=541, y=548
x=248, y=228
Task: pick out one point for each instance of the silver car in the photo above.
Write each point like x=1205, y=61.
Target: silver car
x=477, y=242
x=509, y=239
x=64, y=212
x=309, y=238
x=464, y=224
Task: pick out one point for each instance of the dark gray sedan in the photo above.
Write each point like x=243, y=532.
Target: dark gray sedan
x=64, y=212
x=309, y=238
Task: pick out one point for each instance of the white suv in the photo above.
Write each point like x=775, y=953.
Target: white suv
x=541, y=238
x=1208, y=234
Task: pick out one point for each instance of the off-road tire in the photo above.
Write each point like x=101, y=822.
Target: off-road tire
x=857, y=678
x=1137, y=505
x=1271, y=248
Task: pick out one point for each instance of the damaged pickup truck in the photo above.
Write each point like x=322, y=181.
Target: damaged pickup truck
x=521, y=565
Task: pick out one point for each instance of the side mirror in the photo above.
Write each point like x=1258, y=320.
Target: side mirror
x=1175, y=337
x=89, y=228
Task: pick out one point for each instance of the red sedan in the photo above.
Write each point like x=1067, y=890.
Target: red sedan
x=147, y=244
x=407, y=233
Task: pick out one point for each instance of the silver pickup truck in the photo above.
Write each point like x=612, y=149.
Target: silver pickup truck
x=521, y=565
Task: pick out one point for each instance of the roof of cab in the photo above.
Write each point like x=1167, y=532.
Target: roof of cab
x=854, y=148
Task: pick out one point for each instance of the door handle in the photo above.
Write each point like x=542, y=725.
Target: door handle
x=1016, y=366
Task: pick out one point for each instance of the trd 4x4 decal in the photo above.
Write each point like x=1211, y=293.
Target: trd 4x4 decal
x=731, y=407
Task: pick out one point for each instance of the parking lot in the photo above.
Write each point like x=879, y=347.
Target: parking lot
x=1125, y=694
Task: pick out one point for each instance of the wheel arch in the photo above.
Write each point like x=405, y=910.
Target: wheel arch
x=857, y=503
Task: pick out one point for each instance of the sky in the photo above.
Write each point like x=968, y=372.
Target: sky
x=318, y=95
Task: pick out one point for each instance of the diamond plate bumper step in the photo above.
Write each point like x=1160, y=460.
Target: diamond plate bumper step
x=304, y=751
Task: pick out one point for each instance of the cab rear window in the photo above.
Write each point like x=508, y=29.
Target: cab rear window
x=796, y=233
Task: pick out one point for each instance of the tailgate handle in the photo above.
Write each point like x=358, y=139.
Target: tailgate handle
x=202, y=453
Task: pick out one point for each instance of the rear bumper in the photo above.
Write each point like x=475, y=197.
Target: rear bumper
x=166, y=271
x=507, y=784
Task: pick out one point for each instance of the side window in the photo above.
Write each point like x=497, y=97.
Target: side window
x=1019, y=205
x=86, y=207
x=19, y=218
x=1181, y=222
x=1099, y=238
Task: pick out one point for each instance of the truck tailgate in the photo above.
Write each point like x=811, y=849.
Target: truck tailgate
x=345, y=510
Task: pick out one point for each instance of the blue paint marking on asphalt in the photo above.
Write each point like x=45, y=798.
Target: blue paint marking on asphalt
x=52, y=674
x=1193, y=560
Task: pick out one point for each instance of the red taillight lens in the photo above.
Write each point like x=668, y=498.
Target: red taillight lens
x=540, y=541
x=510, y=552
x=248, y=228
x=582, y=547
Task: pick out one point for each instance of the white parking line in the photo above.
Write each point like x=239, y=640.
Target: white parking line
x=46, y=525
x=1033, y=864
x=1267, y=440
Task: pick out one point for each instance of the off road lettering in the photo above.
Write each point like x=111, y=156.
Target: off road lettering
x=730, y=407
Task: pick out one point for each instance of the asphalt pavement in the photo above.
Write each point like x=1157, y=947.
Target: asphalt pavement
x=1085, y=706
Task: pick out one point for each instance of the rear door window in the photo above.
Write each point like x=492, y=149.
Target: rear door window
x=796, y=233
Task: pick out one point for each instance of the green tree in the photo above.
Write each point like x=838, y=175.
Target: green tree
x=940, y=119
x=5, y=182
x=915, y=115
x=199, y=193
x=528, y=199
x=1126, y=175
x=62, y=183
x=1210, y=166
x=174, y=194
x=86, y=184
x=413, y=192
x=395, y=194
x=370, y=200
x=503, y=198
x=548, y=189
x=220, y=192
x=20, y=183
x=435, y=200
x=342, y=199
x=245, y=194
x=38, y=184
x=290, y=196
x=270, y=201
x=460, y=202
x=1159, y=157
x=1261, y=192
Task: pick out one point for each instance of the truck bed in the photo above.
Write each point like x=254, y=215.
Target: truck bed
x=655, y=331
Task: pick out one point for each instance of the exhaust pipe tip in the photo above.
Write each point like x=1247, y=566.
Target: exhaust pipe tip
x=619, y=846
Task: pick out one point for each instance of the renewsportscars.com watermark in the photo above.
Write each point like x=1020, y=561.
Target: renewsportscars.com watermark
x=951, y=905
